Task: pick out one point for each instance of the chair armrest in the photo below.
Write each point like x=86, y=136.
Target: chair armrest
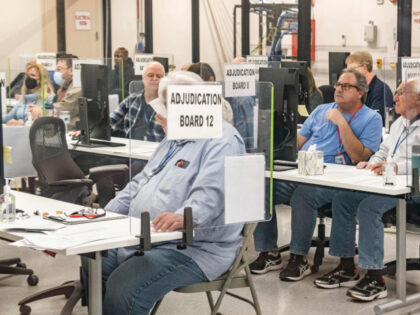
x=97, y=173
x=72, y=182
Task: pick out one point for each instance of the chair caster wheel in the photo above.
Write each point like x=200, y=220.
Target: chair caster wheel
x=21, y=265
x=314, y=268
x=32, y=280
x=25, y=309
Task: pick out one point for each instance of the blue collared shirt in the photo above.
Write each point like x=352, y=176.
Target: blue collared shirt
x=366, y=126
x=200, y=185
x=19, y=112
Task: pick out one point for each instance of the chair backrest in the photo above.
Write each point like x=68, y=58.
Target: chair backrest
x=50, y=155
x=328, y=93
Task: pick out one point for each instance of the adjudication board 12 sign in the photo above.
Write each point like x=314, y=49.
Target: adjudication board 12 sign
x=194, y=111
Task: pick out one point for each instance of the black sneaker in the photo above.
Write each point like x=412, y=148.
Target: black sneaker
x=297, y=268
x=265, y=262
x=337, y=278
x=368, y=289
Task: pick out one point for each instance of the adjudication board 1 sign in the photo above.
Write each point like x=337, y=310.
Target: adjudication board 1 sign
x=194, y=111
x=140, y=62
x=240, y=80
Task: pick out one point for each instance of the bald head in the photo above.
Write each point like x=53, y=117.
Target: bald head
x=152, y=73
x=239, y=60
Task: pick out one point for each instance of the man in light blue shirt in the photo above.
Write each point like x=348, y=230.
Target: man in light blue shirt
x=347, y=132
x=179, y=174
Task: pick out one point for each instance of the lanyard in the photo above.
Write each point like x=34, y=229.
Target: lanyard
x=171, y=152
x=338, y=130
x=400, y=141
x=148, y=120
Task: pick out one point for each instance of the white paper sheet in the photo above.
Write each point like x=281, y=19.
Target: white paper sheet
x=244, y=188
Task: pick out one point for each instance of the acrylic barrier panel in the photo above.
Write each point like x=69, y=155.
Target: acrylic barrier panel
x=190, y=173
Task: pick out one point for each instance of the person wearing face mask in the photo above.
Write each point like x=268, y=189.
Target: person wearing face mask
x=31, y=97
x=67, y=94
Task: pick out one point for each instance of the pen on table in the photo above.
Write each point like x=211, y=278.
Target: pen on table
x=376, y=167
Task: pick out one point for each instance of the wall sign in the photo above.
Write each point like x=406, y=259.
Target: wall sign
x=240, y=80
x=48, y=60
x=82, y=20
x=140, y=62
x=410, y=68
x=194, y=111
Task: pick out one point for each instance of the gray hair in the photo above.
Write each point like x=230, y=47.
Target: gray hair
x=415, y=84
x=361, y=82
x=176, y=77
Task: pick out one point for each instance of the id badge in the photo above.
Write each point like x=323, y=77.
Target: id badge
x=340, y=159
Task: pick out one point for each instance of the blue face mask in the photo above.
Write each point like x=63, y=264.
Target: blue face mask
x=58, y=78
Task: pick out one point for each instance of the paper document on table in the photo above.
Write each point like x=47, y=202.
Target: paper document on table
x=302, y=111
x=67, y=238
x=33, y=226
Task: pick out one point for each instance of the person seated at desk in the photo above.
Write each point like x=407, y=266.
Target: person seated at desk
x=114, y=81
x=347, y=132
x=67, y=94
x=31, y=98
x=16, y=85
x=404, y=133
x=134, y=117
x=133, y=284
x=315, y=95
x=379, y=95
x=207, y=74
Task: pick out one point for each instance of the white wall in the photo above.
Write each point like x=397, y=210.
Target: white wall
x=20, y=32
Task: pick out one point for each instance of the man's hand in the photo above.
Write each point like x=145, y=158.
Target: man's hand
x=35, y=111
x=379, y=167
x=14, y=122
x=161, y=121
x=362, y=165
x=334, y=115
x=168, y=222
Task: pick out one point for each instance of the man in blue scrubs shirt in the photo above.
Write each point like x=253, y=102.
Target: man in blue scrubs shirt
x=347, y=132
x=181, y=173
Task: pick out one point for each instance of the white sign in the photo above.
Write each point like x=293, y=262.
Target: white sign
x=260, y=61
x=410, y=68
x=82, y=19
x=194, y=111
x=77, y=69
x=140, y=62
x=48, y=60
x=240, y=80
x=244, y=188
x=3, y=92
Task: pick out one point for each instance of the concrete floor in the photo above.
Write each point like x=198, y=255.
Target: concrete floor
x=276, y=297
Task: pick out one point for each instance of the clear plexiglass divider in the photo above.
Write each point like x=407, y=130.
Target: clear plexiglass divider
x=201, y=177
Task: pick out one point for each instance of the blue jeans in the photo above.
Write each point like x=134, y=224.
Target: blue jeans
x=135, y=285
x=305, y=202
x=369, y=210
x=265, y=235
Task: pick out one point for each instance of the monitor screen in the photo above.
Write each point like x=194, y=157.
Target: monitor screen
x=286, y=90
x=94, y=105
x=164, y=61
x=302, y=67
x=336, y=63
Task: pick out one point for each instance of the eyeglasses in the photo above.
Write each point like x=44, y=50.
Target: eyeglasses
x=402, y=92
x=88, y=213
x=345, y=86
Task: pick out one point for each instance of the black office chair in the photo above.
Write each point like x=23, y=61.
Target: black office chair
x=6, y=268
x=59, y=176
x=328, y=93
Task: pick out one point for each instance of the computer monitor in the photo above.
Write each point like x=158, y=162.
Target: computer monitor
x=286, y=90
x=94, y=106
x=164, y=61
x=336, y=62
x=302, y=67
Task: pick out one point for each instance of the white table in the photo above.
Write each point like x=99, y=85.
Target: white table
x=30, y=203
x=136, y=149
x=349, y=178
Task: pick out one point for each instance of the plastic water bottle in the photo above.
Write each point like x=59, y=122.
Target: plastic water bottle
x=389, y=177
x=8, y=205
x=28, y=121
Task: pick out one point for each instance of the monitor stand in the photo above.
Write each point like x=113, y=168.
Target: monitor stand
x=99, y=143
